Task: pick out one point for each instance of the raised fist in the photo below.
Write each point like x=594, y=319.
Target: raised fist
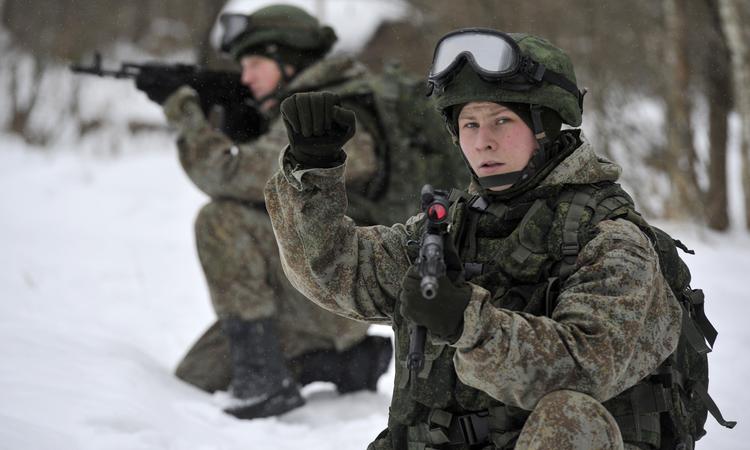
x=317, y=127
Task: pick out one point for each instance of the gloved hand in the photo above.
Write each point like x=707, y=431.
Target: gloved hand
x=317, y=127
x=443, y=315
x=158, y=87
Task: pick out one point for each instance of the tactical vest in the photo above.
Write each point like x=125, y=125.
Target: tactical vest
x=519, y=251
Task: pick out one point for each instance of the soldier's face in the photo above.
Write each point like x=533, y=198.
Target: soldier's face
x=260, y=74
x=494, y=139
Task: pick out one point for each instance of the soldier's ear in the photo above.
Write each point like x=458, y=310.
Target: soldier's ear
x=289, y=70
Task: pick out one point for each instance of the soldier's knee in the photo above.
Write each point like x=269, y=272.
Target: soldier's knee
x=215, y=226
x=221, y=219
x=206, y=218
x=569, y=419
x=565, y=397
x=228, y=230
x=211, y=213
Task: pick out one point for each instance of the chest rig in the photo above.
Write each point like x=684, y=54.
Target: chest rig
x=518, y=251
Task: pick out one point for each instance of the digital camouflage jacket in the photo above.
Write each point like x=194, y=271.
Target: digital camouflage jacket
x=614, y=319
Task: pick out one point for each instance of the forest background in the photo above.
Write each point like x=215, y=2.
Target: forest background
x=668, y=81
x=101, y=292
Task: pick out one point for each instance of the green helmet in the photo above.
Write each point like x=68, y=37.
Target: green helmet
x=553, y=86
x=279, y=31
x=527, y=74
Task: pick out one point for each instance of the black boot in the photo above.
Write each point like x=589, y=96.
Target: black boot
x=354, y=369
x=261, y=385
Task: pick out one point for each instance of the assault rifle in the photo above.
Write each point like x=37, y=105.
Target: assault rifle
x=431, y=263
x=223, y=97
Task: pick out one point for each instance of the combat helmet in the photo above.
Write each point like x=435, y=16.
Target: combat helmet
x=526, y=73
x=285, y=33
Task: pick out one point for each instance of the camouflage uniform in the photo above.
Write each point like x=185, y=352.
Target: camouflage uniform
x=541, y=375
x=235, y=241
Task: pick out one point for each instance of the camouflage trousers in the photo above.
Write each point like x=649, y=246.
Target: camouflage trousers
x=237, y=250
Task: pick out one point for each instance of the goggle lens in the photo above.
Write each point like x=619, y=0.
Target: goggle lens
x=490, y=52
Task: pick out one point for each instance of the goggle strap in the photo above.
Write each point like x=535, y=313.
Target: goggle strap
x=560, y=80
x=537, y=70
x=285, y=77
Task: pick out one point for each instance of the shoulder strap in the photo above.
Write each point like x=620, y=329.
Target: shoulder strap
x=581, y=199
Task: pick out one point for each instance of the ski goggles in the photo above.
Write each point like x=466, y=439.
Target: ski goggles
x=495, y=57
x=233, y=25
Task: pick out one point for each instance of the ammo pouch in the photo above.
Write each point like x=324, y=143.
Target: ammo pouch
x=488, y=429
x=637, y=412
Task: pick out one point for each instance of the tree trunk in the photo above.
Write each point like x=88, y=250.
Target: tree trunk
x=21, y=110
x=720, y=105
x=685, y=200
x=731, y=23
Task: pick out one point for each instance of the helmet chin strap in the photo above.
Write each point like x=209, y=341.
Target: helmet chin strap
x=535, y=162
x=502, y=179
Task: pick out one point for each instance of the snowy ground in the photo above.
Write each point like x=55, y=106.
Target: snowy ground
x=101, y=293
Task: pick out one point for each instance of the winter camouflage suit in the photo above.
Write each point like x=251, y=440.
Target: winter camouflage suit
x=539, y=368
x=616, y=320
x=234, y=237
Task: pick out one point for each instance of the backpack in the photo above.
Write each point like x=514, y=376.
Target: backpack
x=417, y=148
x=669, y=408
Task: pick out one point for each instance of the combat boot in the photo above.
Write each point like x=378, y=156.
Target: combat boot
x=261, y=385
x=355, y=369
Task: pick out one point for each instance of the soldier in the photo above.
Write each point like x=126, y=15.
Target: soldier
x=553, y=303
x=268, y=337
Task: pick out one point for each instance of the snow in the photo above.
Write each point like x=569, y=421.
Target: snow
x=102, y=293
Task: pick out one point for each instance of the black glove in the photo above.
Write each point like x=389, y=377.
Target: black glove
x=157, y=86
x=317, y=128
x=443, y=315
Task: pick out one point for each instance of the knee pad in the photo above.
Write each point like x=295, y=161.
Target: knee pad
x=568, y=419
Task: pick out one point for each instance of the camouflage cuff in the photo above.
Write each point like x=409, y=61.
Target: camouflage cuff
x=305, y=179
x=183, y=110
x=472, y=333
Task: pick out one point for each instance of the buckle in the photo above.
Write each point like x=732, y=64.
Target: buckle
x=538, y=75
x=479, y=204
x=570, y=249
x=695, y=296
x=474, y=427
